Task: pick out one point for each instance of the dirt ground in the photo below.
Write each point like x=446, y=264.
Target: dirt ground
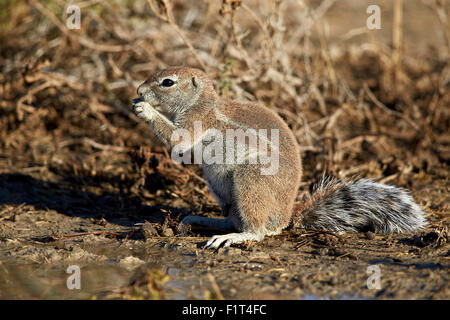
x=83, y=182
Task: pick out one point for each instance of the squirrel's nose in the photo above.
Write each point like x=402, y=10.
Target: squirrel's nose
x=142, y=89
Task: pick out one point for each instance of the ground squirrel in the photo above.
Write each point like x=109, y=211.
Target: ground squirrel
x=255, y=175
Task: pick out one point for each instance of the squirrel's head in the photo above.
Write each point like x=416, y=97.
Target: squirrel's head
x=175, y=90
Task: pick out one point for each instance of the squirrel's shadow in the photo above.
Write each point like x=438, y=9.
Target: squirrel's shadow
x=69, y=198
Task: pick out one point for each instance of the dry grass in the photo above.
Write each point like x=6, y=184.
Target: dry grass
x=76, y=165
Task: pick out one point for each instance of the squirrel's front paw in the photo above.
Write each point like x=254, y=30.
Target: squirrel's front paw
x=143, y=109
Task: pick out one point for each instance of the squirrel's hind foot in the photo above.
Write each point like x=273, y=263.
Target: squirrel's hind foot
x=229, y=239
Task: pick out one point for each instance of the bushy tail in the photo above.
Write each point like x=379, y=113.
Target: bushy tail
x=361, y=205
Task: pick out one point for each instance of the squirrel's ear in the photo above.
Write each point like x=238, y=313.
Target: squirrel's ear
x=194, y=82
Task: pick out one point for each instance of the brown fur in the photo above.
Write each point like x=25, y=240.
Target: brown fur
x=255, y=204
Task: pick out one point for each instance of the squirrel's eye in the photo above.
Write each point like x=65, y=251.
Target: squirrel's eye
x=167, y=83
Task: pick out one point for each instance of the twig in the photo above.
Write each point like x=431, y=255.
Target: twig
x=94, y=144
x=21, y=106
x=81, y=39
x=358, y=139
x=105, y=146
x=389, y=111
x=237, y=39
x=169, y=18
x=52, y=79
x=72, y=235
x=389, y=178
x=215, y=287
x=261, y=25
x=397, y=39
x=315, y=232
